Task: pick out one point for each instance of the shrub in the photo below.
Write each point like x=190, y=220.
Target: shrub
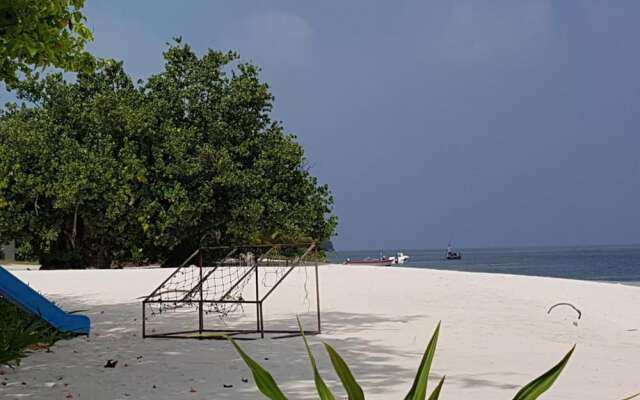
x=21, y=331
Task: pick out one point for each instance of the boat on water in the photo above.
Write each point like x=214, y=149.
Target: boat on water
x=453, y=254
x=370, y=261
x=399, y=258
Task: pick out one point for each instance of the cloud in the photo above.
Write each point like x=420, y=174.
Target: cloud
x=484, y=31
x=278, y=42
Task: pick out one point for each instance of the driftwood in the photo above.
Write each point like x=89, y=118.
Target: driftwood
x=565, y=304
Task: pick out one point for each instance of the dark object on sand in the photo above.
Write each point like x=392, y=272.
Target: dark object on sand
x=566, y=304
x=111, y=363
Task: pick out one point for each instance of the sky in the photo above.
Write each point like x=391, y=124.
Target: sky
x=489, y=123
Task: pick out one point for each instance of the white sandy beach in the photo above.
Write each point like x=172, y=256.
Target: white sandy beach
x=496, y=336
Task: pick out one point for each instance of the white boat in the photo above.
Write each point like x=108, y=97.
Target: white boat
x=399, y=258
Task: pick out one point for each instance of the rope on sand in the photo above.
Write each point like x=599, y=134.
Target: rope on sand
x=565, y=304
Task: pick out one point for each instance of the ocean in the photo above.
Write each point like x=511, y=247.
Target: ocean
x=595, y=263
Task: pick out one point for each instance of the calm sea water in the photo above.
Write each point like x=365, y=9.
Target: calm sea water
x=603, y=263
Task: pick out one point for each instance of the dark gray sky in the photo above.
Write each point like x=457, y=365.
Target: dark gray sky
x=492, y=123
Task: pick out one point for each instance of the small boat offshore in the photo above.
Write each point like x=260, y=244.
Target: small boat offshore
x=453, y=254
x=399, y=258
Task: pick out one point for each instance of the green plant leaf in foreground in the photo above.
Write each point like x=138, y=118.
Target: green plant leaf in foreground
x=323, y=390
x=354, y=391
x=267, y=385
x=436, y=392
x=418, y=390
x=19, y=330
x=540, y=385
x=265, y=382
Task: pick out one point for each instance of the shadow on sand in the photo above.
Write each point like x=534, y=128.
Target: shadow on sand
x=191, y=368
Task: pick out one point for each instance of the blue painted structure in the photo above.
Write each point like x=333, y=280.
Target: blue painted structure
x=19, y=293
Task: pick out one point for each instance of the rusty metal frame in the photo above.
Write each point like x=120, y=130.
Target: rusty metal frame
x=202, y=331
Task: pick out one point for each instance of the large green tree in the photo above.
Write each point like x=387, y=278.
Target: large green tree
x=101, y=169
x=42, y=33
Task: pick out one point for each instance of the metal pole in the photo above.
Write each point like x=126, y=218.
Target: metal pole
x=200, y=310
x=144, y=318
x=257, y=298
x=261, y=321
x=318, y=297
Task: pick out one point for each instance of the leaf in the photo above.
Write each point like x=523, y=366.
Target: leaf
x=265, y=382
x=354, y=391
x=541, y=384
x=419, y=389
x=436, y=392
x=321, y=387
x=32, y=50
x=632, y=397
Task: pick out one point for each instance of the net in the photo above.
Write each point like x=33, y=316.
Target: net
x=216, y=279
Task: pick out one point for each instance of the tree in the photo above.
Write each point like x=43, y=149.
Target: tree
x=42, y=33
x=101, y=169
x=251, y=182
x=68, y=167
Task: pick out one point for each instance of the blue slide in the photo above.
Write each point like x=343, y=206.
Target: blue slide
x=20, y=294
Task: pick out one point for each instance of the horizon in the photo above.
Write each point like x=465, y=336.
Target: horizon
x=565, y=246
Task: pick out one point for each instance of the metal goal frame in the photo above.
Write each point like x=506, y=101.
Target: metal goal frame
x=204, y=332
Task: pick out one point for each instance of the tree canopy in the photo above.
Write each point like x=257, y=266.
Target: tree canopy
x=42, y=33
x=103, y=169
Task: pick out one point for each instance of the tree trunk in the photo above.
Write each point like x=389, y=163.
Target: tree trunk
x=99, y=257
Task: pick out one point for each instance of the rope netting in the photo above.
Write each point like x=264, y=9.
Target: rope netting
x=221, y=282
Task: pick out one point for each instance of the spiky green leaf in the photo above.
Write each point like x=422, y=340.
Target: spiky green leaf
x=541, y=384
x=264, y=381
x=321, y=387
x=418, y=390
x=353, y=389
x=436, y=392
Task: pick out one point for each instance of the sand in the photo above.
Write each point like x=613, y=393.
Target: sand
x=496, y=336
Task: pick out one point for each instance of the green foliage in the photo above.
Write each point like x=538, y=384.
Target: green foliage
x=42, y=33
x=435, y=395
x=353, y=389
x=535, y=388
x=418, y=390
x=265, y=382
x=321, y=387
x=24, y=252
x=104, y=169
x=66, y=166
x=20, y=330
